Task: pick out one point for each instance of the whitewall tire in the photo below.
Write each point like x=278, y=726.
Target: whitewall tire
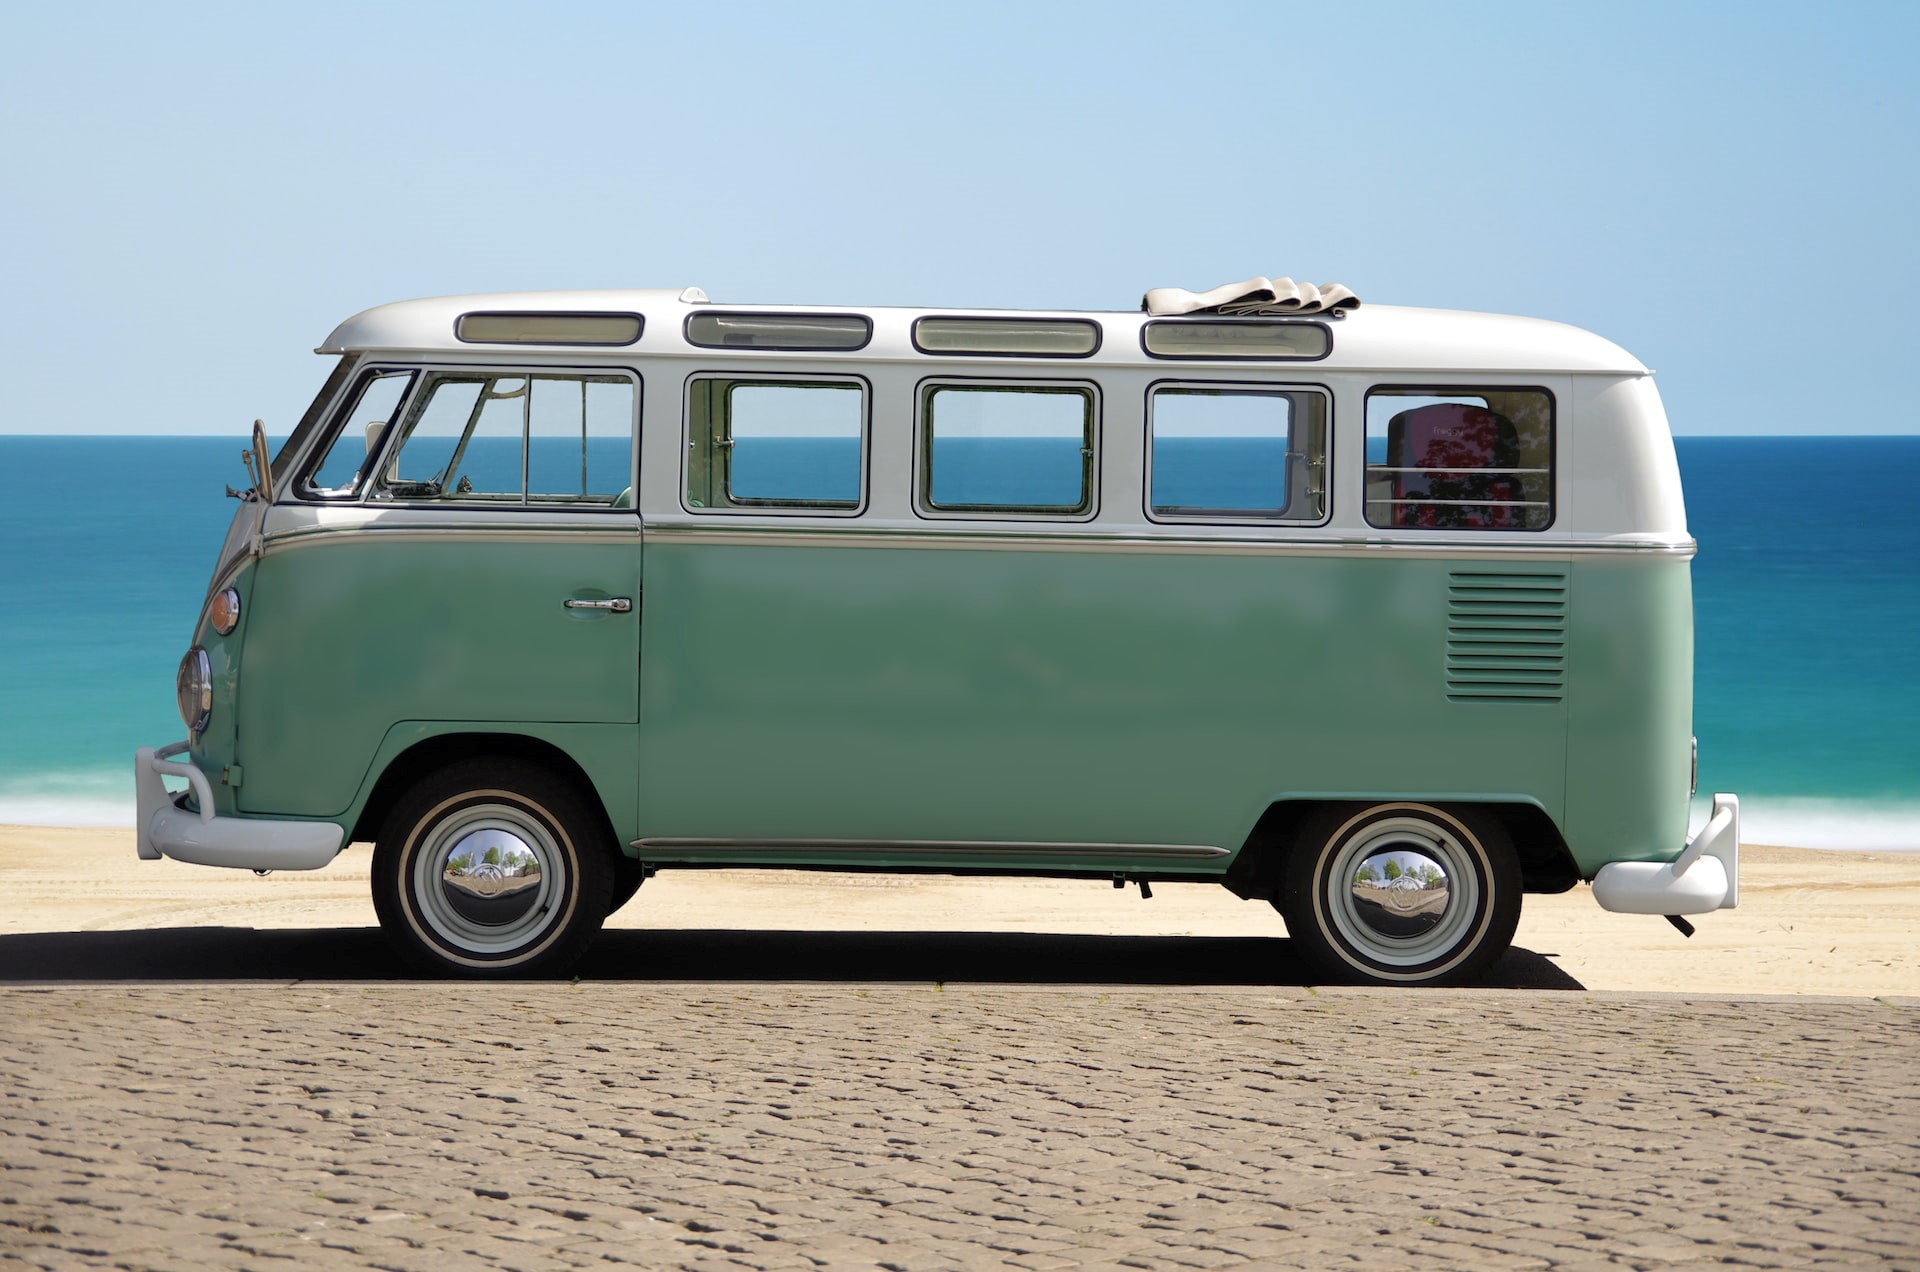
x=1401, y=893
x=492, y=868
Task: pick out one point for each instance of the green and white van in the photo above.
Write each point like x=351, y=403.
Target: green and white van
x=1380, y=615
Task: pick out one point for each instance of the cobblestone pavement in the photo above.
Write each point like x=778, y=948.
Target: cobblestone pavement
x=779, y=1125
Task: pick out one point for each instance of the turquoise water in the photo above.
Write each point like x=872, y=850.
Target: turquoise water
x=1807, y=634
x=1807, y=598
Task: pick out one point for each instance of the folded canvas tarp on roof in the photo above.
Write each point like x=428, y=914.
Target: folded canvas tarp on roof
x=1251, y=296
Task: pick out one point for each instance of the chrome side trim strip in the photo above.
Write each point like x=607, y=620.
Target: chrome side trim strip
x=312, y=536
x=985, y=541
x=1131, y=543
x=923, y=848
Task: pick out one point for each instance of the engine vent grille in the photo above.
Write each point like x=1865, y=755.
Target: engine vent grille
x=1506, y=636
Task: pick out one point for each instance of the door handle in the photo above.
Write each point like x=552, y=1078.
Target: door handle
x=618, y=604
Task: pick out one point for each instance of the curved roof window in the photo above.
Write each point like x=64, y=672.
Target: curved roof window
x=548, y=328
x=798, y=332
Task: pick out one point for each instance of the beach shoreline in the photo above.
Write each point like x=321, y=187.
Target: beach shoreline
x=1810, y=921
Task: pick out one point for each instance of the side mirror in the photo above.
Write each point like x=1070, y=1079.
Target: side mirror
x=376, y=429
x=262, y=463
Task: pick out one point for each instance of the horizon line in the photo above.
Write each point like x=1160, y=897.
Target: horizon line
x=242, y=436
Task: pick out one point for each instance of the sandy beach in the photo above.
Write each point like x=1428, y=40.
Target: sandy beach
x=1809, y=922
x=801, y=1069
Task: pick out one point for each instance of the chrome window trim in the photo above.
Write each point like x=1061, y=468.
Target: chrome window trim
x=369, y=497
x=341, y=377
x=913, y=335
x=749, y=375
x=639, y=328
x=1252, y=388
x=796, y=316
x=1468, y=385
x=337, y=415
x=922, y=454
x=1215, y=320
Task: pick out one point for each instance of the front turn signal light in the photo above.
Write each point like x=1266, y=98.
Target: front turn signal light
x=226, y=611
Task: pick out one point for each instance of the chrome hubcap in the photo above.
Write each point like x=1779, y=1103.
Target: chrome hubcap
x=1399, y=891
x=489, y=878
x=1403, y=891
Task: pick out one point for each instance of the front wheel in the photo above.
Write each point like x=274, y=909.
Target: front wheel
x=628, y=875
x=1402, y=893
x=492, y=868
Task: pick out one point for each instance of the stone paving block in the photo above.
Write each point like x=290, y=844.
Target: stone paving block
x=830, y=1125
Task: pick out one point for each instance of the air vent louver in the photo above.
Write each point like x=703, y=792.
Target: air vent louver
x=1506, y=636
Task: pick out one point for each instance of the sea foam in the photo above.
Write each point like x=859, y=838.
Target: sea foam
x=69, y=799
x=1850, y=825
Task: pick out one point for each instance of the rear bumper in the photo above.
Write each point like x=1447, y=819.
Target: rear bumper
x=1704, y=877
x=167, y=830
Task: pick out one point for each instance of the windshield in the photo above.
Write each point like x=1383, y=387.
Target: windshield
x=311, y=420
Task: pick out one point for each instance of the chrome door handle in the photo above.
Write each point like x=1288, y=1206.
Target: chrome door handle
x=618, y=604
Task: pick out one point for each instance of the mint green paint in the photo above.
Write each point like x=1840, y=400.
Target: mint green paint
x=1628, y=756
x=903, y=694
x=874, y=693
x=213, y=750
x=349, y=634
x=608, y=753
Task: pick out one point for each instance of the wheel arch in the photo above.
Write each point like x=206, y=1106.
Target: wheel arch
x=1546, y=863
x=437, y=751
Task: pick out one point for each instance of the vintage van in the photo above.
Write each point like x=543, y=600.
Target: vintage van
x=1380, y=615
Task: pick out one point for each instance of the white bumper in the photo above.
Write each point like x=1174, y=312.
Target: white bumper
x=202, y=839
x=1704, y=877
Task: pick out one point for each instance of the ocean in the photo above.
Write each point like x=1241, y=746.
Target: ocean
x=1806, y=595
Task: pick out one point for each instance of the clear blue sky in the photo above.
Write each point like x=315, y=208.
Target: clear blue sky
x=193, y=195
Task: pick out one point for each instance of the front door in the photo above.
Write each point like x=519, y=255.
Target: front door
x=489, y=573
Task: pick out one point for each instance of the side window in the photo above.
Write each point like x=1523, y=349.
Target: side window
x=497, y=437
x=768, y=445
x=1224, y=452
x=1007, y=448
x=462, y=440
x=1460, y=459
x=580, y=440
x=375, y=400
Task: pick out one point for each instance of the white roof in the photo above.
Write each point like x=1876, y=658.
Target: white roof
x=1372, y=336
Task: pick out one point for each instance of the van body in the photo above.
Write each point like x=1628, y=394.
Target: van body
x=1380, y=615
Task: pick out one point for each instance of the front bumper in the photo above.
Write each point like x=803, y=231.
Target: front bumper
x=1704, y=877
x=167, y=830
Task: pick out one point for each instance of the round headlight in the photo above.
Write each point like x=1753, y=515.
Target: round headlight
x=226, y=611
x=193, y=687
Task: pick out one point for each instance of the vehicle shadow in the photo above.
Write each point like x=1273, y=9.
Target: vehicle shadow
x=1027, y=958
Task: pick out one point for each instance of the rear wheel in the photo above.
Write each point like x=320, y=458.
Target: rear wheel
x=1401, y=893
x=492, y=868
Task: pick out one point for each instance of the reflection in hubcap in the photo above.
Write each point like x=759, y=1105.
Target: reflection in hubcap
x=1400, y=891
x=491, y=877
